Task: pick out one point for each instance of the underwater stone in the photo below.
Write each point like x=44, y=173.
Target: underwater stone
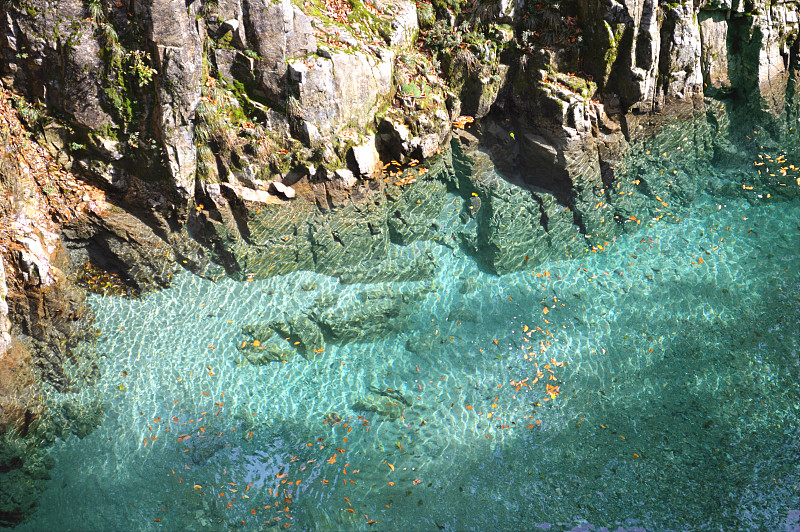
x=365, y=321
x=422, y=343
x=302, y=333
x=259, y=351
x=383, y=406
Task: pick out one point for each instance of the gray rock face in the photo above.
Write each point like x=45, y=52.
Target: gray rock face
x=405, y=26
x=70, y=79
x=134, y=93
x=83, y=92
x=177, y=43
x=681, y=58
x=714, y=54
x=340, y=92
x=278, y=32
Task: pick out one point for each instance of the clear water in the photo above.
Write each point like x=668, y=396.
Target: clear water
x=676, y=407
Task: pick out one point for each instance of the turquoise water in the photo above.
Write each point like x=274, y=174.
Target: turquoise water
x=651, y=385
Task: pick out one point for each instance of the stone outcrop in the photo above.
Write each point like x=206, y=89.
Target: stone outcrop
x=650, y=53
x=248, y=78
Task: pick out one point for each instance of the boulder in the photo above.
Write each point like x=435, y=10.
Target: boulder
x=366, y=157
x=285, y=190
x=346, y=177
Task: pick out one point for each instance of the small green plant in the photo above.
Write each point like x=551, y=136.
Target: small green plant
x=218, y=118
x=29, y=113
x=138, y=65
x=95, y=8
x=133, y=139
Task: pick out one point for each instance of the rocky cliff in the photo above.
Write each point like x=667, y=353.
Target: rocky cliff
x=256, y=137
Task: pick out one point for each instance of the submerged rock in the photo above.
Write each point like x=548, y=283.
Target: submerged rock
x=303, y=333
x=264, y=346
x=377, y=314
x=387, y=407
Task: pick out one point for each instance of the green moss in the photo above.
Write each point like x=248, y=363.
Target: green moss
x=107, y=132
x=226, y=41
x=425, y=15
x=577, y=85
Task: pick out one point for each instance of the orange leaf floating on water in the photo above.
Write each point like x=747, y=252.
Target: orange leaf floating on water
x=545, y=310
x=391, y=466
x=198, y=487
x=204, y=393
x=416, y=481
x=351, y=510
x=468, y=407
x=332, y=459
x=184, y=437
